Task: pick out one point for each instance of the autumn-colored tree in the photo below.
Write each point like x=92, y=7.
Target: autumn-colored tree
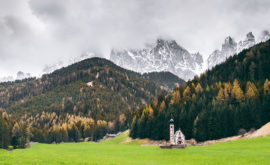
x=251, y=90
x=237, y=92
x=64, y=133
x=162, y=106
x=5, y=129
x=20, y=135
x=187, y=92
x=207, y=88
x=199, y=88
x=220, y=96
x=175, y=97
x=266, y=87
x=122, y=118
x=111, y=126
x=150, y=111
x=227, y=90
x=15, y=135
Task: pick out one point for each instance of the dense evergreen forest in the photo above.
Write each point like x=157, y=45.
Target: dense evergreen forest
x=85, y=100
x=14, y=134
x=232, y=96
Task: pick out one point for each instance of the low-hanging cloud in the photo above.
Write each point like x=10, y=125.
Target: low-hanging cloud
x=38, y=32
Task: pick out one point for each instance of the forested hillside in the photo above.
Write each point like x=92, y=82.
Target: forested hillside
x=86, y=99
x=166, y=79
x=232, y=96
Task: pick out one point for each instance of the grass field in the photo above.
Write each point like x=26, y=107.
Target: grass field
x=248, y=151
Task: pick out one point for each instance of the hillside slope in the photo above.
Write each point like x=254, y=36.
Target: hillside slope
x=165, y=79
x=77, y=82
x=232, y=96
x=85, y=99
x=263, y=131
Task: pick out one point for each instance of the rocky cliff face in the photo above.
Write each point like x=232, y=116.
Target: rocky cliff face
x=265, y=35
x=165, y=55
x=247, y=43
x=230, y=48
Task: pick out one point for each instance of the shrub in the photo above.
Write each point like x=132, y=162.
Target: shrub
x=10, y=148
x=242, y=132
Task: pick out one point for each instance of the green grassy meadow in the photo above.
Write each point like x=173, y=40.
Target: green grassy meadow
x=248, y=151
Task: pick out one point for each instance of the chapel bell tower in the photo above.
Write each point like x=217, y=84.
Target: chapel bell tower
x=172, y=132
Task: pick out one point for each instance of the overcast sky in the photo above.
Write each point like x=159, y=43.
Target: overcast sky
x=38, y=32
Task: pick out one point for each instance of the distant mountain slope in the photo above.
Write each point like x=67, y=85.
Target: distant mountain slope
x=98, y=83
x=164, y=55
x=84, y=100
x=166, y=79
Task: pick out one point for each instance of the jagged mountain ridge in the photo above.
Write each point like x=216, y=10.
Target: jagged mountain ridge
x=164, y=55
x=230, y=47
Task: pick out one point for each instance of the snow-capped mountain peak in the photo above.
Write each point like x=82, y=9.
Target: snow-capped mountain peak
x=247, y=43
x=164, y=55
x=264, y=36
x=230, y=47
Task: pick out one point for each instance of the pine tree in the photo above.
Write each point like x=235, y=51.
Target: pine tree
x=252, y=70
x=15, y=135
x=5, y=130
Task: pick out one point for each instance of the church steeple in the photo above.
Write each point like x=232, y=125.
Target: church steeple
x=172, y=131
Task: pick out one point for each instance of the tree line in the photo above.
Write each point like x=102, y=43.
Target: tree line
x=52, y=128
x=216, y=111
x=13, y=133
